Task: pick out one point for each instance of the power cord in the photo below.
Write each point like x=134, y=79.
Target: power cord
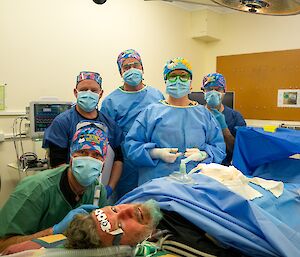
x=17, y=135
x=26, y=160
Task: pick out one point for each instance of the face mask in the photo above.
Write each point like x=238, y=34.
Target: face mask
x=213, y=98
x=86, y=169
x=178, y=88
x=87, y=100
x=133, y=77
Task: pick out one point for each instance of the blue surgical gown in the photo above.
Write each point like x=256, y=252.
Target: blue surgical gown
x=266, y=226
x=266, y=154
x=123, y=107
x=63, y=127
x=162, y=125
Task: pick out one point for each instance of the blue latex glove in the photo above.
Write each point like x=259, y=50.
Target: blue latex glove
x=83, y=209
x=220, y=118
x=109, y=191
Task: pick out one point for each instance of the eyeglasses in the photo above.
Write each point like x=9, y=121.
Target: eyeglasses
x=182, y=77
x=130, y=65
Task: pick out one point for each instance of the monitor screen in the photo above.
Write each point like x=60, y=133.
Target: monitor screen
x=42, y=114
x=199, y=97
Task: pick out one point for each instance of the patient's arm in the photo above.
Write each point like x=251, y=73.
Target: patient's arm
x=6, y=242
x=20, y=247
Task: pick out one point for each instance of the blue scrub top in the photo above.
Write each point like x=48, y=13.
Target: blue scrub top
x=123, y=107
x=233, y=120
x=165, y=126
x=63, y=127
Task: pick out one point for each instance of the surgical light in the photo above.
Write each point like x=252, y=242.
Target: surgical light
x=99, y=1
x=267, y=7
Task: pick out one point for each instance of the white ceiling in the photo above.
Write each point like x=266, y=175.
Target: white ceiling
x=274, y=7
x=193, y=5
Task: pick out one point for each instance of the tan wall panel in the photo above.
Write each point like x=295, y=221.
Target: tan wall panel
x=256, y=78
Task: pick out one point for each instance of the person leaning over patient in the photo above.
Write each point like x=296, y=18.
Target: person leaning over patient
x=45, y=203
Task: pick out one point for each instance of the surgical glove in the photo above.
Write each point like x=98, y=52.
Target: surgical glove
x=194, y=154
x=83, y=209
x=168, y=155
x=109, y=191
x=220, y=118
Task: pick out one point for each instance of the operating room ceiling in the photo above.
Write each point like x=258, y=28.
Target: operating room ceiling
x=193, y=5
x=265, y=7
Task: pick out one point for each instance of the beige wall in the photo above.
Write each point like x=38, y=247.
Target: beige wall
x=44, y=44
x=242, y=33
x=248, y=33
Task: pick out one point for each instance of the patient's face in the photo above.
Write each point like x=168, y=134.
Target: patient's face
x=134, y=219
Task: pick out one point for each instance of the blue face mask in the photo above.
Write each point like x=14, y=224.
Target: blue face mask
x=86, y=169
x=178, y=88
x=87, y=100
x=213, y=98
x=133, y=77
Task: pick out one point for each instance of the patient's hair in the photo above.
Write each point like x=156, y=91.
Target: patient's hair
x=82, y=233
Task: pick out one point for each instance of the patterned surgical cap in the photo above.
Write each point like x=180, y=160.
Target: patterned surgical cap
x=83, y=75
x=91, y=138
x=214, y=80
x=177, y=64
x=130, y=53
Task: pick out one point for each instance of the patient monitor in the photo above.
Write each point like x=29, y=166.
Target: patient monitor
x=42, y=113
